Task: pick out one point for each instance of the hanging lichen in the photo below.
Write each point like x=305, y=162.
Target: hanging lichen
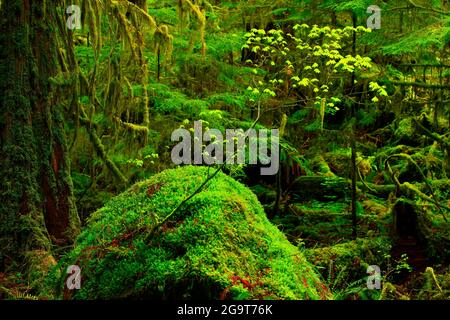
x=186, y=9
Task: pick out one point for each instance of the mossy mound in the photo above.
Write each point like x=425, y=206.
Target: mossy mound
x=220, y=245
x=344, y=266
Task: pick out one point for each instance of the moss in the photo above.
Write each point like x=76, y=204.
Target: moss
x=391, y=292
x=39, y=263
x=406, y=133
x=220, y=245
x=337, y=160
x=437, y=232
x=434, y=286
x=358, y=253
x=345, y=265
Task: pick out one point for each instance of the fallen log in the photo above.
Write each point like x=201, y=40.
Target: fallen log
x=334, y=188
x=385, y=189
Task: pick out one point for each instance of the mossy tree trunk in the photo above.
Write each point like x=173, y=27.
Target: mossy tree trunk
x=37, y=206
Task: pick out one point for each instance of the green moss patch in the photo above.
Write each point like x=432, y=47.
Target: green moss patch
x=220, y=245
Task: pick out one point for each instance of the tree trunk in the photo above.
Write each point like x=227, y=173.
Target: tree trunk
x=37, y=206
x=353, y=141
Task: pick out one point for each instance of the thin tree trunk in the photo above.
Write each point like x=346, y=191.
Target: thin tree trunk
x=159, y=64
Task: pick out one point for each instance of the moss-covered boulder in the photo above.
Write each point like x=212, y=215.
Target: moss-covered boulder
x=220, y=245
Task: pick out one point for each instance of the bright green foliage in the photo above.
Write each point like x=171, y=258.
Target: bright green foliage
x=311, y=62
x=220, y=244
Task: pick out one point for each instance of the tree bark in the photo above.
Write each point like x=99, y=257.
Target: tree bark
x=37, y=206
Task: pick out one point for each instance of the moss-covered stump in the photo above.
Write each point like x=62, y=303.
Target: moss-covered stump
x=220, y=245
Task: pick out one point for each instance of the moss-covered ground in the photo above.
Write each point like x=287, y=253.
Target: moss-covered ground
x=219, y=245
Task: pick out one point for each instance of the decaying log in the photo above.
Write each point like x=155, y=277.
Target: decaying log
x=333, y=188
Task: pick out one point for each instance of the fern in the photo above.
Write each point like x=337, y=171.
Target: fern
x=229, y=100
x=433, y=36
x=357, y=6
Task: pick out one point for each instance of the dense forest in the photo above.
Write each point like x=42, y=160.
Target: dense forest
x=209, y=149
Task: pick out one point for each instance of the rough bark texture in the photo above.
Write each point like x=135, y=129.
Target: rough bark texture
x=36, y=205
